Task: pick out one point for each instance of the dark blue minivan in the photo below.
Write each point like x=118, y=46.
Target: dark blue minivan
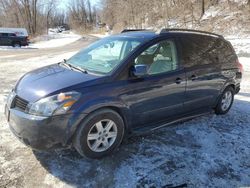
x=127, y=83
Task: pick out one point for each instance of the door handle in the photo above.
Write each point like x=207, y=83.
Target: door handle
x=193, y=77
x=178, y=80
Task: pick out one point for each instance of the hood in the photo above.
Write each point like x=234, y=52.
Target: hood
x=44, y=81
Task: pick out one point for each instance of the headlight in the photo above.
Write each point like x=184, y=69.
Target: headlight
x=53, y=105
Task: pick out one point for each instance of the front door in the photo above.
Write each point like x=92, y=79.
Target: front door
x=159, y=95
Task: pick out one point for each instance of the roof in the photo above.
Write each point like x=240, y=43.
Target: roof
x=138, y=34
x=17, y=31
x=150, y=34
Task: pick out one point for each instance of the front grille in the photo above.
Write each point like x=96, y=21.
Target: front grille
x=20, y=103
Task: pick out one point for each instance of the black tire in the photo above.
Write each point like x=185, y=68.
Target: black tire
x=16, y=45
x=219, y=108
x=80, y=140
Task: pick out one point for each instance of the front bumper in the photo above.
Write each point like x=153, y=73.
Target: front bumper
x=41, y=133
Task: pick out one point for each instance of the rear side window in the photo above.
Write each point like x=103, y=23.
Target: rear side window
x=226, y=54
x=198, y=50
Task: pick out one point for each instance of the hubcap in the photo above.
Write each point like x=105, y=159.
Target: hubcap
x=102, y=135
x=226, y=100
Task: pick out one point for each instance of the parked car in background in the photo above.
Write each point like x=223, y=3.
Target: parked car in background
x=65, y=27
x=15, y=37
x=121, y=85
x=60, y=29
x=18, y=31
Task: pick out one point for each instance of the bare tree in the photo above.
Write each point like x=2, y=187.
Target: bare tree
x=81, y=15
x=202, y=7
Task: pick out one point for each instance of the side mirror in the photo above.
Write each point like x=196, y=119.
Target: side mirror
x=139, y=70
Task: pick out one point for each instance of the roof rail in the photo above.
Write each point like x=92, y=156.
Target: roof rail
x=191, y=31
x=131, y=30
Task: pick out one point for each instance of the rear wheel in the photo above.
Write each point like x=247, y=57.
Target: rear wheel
x=225, y=102
x=100, y=134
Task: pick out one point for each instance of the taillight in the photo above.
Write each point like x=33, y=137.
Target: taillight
x=240, y=66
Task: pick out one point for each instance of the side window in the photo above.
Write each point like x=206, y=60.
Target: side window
x=12, y=34
x=225, y=53
x=159, y=58
x=198, y=50
x=108, y=52
x=128, y=47
x=4, y=34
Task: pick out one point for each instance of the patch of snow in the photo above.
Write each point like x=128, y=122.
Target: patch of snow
x=241, y=45
x=211, y=12
x=100, y=35
x=14, y=48
x=55, y=40
x=245, y=61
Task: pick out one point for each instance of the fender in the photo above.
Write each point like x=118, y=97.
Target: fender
x=229, y=82
x=82, y=111
x=226, y=84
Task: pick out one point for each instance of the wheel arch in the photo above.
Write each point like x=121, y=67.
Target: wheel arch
x=229, y=84
x=121, y=110
x=16, y=42
x=225, y=86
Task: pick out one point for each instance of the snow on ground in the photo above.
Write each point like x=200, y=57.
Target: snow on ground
x=55, y=40
x=51, y=40
x=245, y=61
x=100, y=35
x=211, y=12
x=241, y=45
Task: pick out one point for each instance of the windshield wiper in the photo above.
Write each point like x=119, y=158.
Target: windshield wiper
x=65, y=64
x=78, y=68
x=70, y=66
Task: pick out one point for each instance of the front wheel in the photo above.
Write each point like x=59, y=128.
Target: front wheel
x=225, y=102
x=100, y=134
x=16, y=45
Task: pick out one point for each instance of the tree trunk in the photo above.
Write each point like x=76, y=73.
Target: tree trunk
x=202, y=7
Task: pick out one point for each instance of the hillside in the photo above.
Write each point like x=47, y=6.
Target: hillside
x=227, y=17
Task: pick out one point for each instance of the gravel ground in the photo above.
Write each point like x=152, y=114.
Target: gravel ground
x=210, y=151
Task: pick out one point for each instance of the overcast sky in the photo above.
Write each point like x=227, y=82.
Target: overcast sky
x=63, y=3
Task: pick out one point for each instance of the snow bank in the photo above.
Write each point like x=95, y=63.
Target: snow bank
x=211, y=12
x=100, y=35
x=241, y=45
x=55, y=40
x=245, y=61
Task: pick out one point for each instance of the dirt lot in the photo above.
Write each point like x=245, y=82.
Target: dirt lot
x=211, y=151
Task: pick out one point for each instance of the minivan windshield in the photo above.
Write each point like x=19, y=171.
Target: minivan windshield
x=104, y=55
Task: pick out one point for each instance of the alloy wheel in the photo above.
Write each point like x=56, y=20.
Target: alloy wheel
x=102, y=135
x=226, y=100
